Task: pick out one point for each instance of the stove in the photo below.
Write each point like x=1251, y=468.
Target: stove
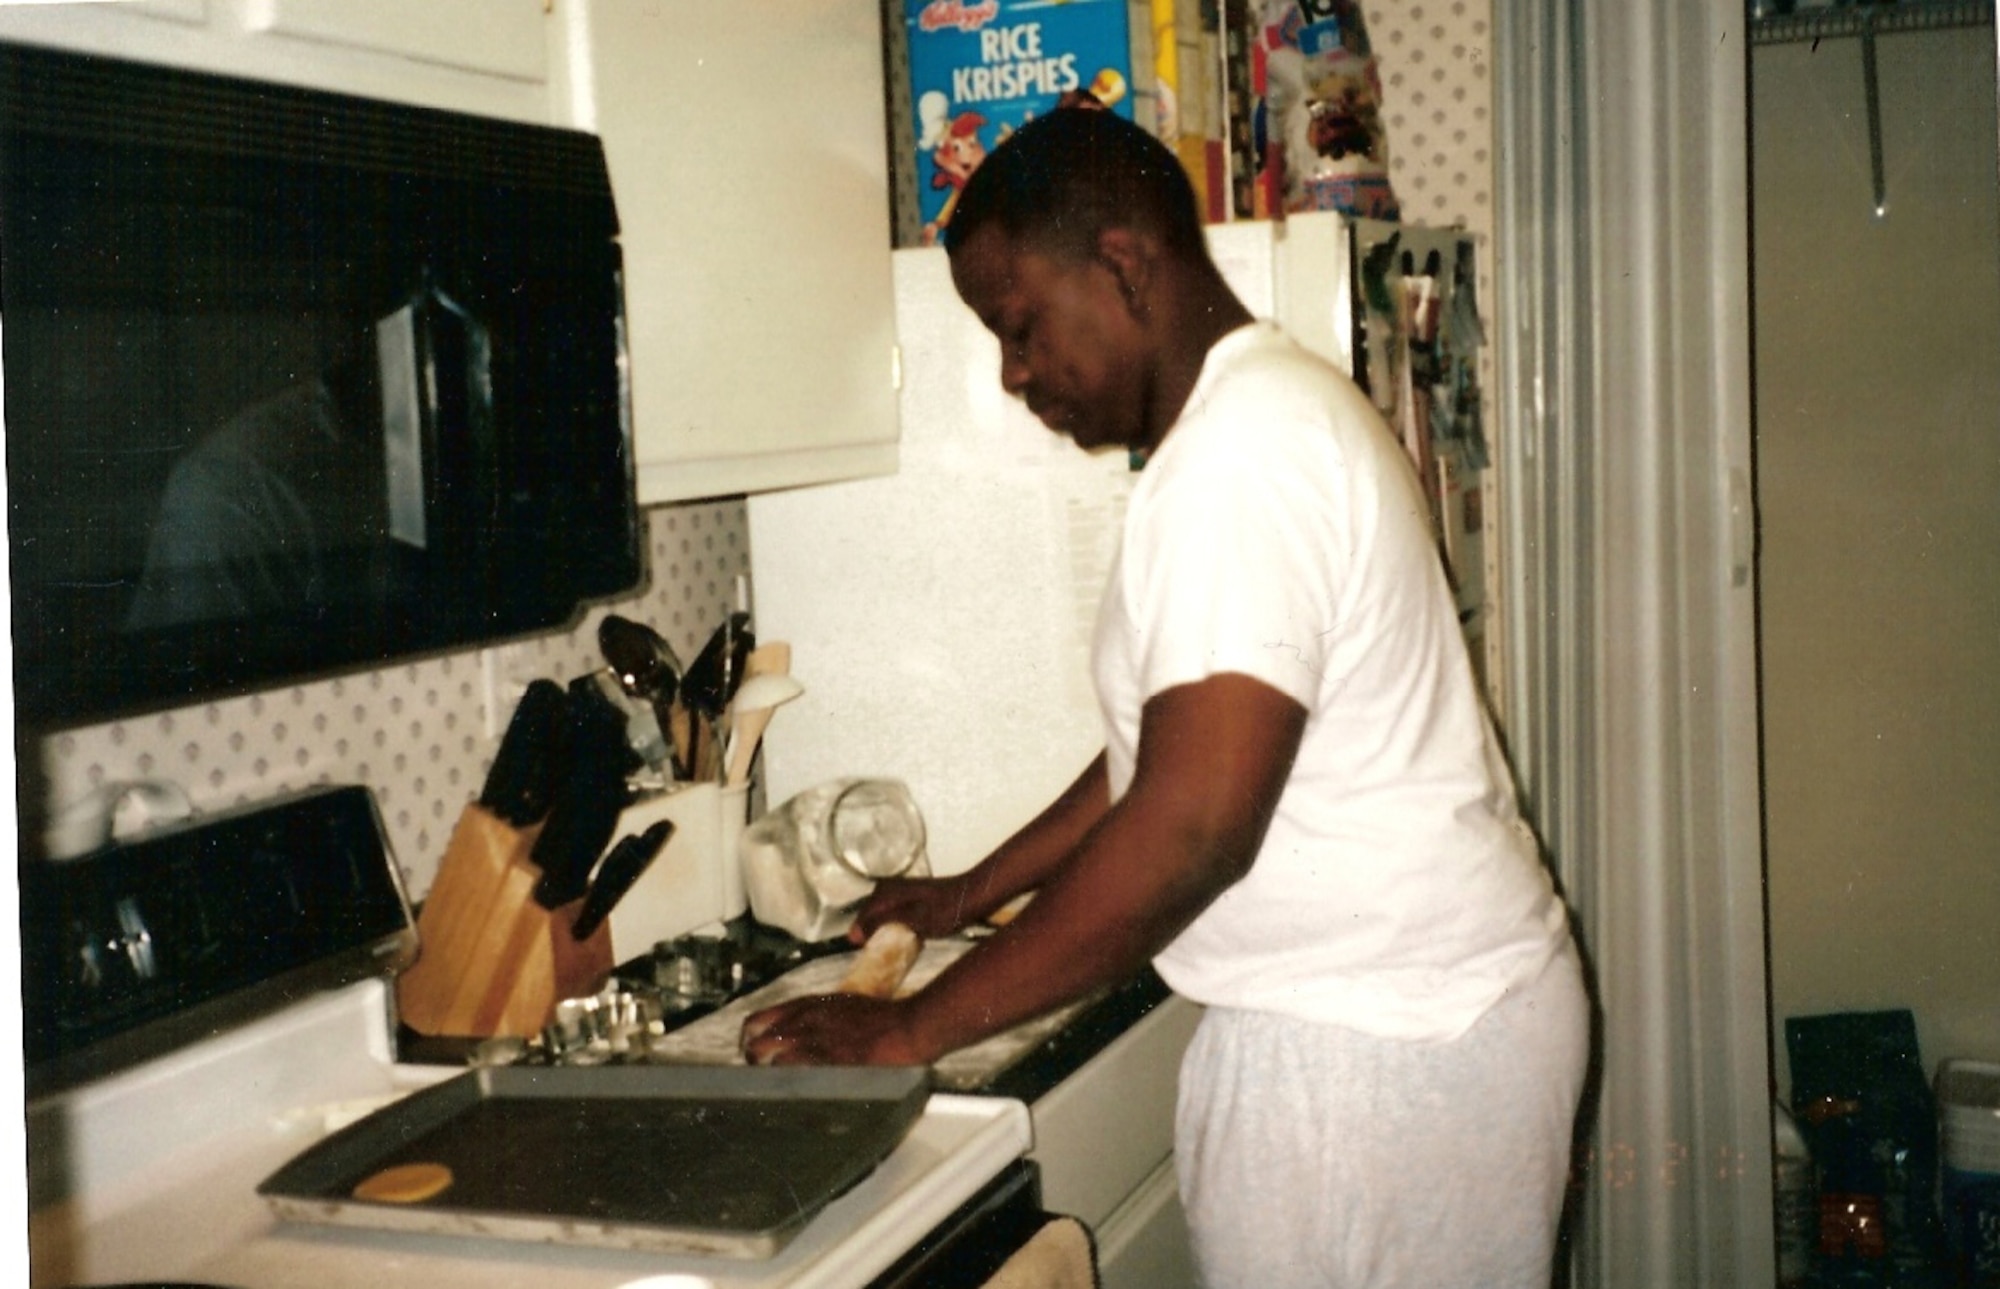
x=680, y=981
x=146, y=1168
x=160, y=1166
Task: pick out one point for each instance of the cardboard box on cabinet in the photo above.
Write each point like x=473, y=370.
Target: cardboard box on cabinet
x=980, y=69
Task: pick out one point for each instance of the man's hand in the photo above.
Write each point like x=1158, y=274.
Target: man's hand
x=933, y=907
x=835, y=1029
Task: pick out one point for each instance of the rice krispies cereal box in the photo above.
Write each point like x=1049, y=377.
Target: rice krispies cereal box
x=980, y=69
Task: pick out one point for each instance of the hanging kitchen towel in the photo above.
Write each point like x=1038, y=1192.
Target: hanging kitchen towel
x=1059, y=1256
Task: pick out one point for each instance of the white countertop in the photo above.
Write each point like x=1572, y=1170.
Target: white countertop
x=716, y=1039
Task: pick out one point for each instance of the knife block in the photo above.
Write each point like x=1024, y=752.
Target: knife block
x=491, y=961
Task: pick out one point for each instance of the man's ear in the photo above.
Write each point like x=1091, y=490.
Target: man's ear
x=1132, y=257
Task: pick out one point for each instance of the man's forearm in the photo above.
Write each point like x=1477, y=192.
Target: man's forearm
x=1027, y=860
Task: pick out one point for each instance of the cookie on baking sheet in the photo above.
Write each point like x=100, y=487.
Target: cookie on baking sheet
x=404, y=1184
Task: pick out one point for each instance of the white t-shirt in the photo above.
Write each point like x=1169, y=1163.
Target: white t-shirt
x=1279, y=532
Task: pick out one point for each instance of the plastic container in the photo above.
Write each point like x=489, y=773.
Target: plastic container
x=1968, y=1097
x=1868, y=1113
x=808, y=864
x=1796, y=1198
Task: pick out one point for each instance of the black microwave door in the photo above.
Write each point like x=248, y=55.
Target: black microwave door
x=295, y=383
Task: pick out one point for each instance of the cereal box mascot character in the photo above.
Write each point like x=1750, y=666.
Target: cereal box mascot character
x=953, y=142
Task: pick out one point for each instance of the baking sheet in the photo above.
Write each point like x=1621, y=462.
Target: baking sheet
x=716, y=1039
x=725, y=1162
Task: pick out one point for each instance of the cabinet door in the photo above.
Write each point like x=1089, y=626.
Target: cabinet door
x=488, y=57
x=497, y=37
x=1145, y=1244
x=748, y=157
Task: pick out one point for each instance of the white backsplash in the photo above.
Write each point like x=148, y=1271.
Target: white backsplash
x=417, y=733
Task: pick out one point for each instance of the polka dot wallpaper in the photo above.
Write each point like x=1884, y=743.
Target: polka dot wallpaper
x=422, y=734
x=1435, y=60
x=416, y=733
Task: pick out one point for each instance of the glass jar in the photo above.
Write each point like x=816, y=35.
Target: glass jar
x=808, y=864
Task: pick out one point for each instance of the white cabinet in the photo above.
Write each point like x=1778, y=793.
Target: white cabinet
x=748, y=158
x=1145, y=1243
x=500, y=39
x=501, y=58
x=747, y=151
x=1104, y=1140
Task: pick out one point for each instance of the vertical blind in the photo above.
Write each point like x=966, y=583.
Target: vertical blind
x=1623, y=275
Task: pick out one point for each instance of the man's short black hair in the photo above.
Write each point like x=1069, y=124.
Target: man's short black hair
x=1062, y=179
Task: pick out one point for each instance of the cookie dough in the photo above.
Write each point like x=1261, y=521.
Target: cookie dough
x=884, y=961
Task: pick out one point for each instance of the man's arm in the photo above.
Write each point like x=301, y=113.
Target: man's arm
x=1213, y=760
x=1024, y=862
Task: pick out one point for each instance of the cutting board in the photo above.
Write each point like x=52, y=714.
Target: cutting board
x=715, y=1039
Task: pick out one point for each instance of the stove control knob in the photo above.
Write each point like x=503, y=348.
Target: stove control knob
x=136, y=940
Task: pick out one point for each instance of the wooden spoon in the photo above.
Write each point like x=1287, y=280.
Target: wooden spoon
x=757, y=698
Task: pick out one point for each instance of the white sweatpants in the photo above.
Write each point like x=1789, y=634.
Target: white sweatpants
x=1315, y=1157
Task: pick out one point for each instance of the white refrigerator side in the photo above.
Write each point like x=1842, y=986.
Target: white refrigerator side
x=940, y=618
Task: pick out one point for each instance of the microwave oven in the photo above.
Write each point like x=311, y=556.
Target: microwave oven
x=295, y=382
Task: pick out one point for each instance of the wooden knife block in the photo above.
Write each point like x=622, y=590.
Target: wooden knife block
x=491, y=961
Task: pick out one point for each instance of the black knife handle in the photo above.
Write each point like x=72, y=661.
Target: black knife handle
x=581, y=824
x=519, y=784
x=621, y=869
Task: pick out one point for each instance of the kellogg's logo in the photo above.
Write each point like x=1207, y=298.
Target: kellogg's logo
x=939, y=14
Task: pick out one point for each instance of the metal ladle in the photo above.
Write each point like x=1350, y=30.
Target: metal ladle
x=648, y=669
x=640, y=657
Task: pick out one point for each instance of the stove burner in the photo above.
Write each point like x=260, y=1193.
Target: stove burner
x=679, y=982
x=696, y=970
x=703, y=971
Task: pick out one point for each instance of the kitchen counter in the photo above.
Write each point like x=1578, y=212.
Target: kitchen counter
x=1100, y=1080
x=1055, y=1053
x=1070, y=1048
x=152, y=1173
x=1024, y=1062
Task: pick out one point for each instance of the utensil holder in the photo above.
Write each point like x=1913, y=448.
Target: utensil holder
x=491, y=961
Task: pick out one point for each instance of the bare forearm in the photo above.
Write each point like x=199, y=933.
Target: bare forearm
x=1116, y=884
x=1031, y=857
x=1092, y=926
x=1213, y=760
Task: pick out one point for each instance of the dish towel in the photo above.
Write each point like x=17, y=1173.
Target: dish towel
x=1058, y=1256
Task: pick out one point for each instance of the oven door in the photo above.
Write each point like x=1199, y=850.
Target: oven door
x=969, y=1248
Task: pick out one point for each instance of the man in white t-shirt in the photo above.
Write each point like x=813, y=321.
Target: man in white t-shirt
x=1301, y=816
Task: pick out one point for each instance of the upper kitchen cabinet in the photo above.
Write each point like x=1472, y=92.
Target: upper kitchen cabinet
x=748, y=159
x=500, y=58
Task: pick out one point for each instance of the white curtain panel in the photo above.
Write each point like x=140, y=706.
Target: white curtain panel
x=1623, y=283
